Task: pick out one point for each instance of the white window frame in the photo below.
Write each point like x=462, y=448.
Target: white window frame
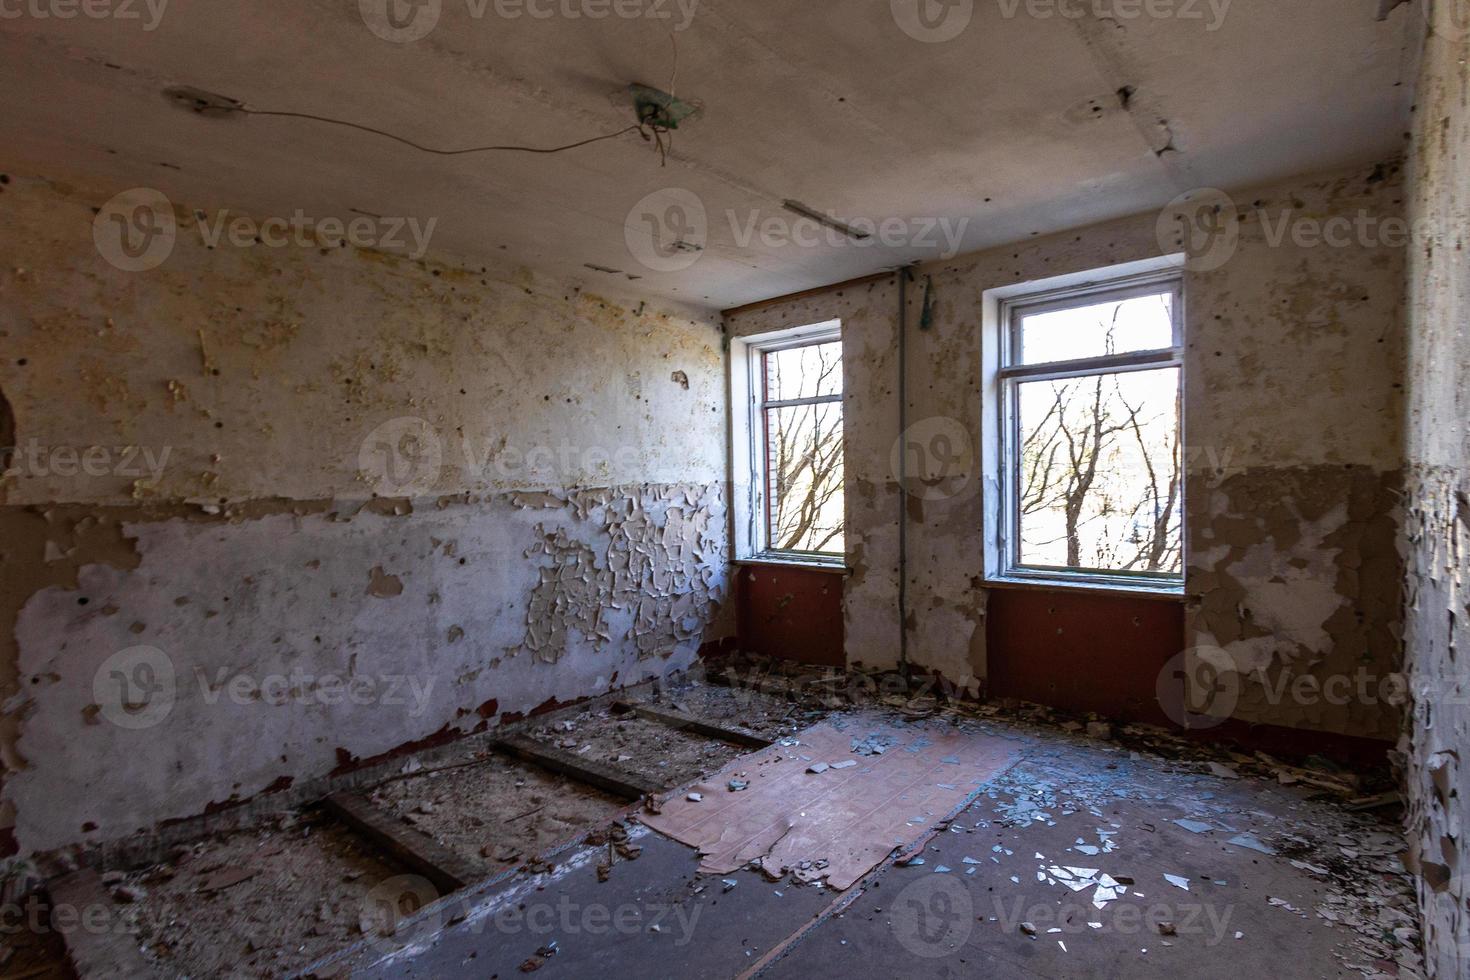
x=747, y=436
x=1006, y=308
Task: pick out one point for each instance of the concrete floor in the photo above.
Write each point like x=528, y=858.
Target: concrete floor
x=1245, y=913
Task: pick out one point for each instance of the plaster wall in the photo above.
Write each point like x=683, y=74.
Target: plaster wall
x=1436, y=742
x=1293, y=369
x=276, y=511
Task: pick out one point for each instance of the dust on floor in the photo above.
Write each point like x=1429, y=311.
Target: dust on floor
x=495, y=811
x=647, y=748
x=1243, y=826
x=32, y=945
x=273, y=900
x=1090, y=859
x=767, y=715
x=259, y=903
x=834, y=801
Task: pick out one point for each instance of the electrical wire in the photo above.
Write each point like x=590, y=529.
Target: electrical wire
x=435, y=150
x=663, y=136
x=662, y=139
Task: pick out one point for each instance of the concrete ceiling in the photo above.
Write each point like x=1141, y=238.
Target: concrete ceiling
x=1012, y=127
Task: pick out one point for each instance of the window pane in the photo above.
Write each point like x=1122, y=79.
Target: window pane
x=1098, y=486
x=804, y=372
x=1096, y=329
x=804, y=477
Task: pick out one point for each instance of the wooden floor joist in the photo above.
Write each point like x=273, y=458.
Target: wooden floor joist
x=109, y=953
x=677, y=719
x=630, y=786
x=448, y=871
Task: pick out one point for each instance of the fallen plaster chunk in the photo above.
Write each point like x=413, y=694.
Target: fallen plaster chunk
x=695, y=797
x=844, y=764
x=1250, y=841
x=817, y=768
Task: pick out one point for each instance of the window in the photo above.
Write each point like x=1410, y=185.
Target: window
x=1088, y=380
x=795, y=501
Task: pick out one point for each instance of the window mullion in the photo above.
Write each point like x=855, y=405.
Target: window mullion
x=799, y=402
x=1094, y=365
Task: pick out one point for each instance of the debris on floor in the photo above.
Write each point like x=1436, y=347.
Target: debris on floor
x=1086, y=810
x=255, y=903
x=496, y=810
x=850, y=822
x=637, y=745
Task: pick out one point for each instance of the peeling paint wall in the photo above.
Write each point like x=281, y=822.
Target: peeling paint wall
x=1436, y=744
x=1294, y=425
x=276, y=511
x=1292, y=434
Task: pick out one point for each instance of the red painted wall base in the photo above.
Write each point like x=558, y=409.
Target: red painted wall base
x=791, y=613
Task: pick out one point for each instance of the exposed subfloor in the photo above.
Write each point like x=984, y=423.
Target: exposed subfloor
x=637, y=745
x=255, y=903
x=738, y=707
x=496, y=812
x=1013, y=884
x=1128, y=854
